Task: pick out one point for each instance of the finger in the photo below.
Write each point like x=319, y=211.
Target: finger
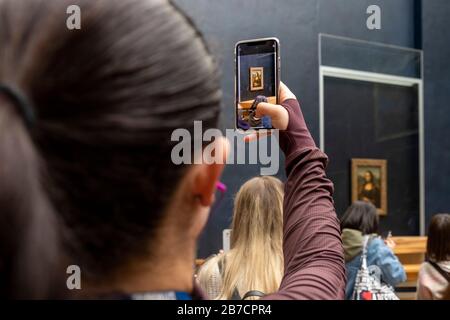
x=255, y=136
x=279, y=114
x=251, y=137
x=268, y=109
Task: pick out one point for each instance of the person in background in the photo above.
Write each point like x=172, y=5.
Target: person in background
x=361, y=219
x=255, y=261
x=89, y=135
x=433, y=281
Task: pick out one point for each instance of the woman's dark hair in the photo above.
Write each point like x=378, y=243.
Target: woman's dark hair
x=438, y=243
x=362, y=216
x=107, y=98
x=29, y=238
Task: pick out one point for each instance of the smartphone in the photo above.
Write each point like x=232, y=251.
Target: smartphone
x=257, y=77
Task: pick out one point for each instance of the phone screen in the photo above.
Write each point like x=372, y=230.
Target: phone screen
x=256, y=78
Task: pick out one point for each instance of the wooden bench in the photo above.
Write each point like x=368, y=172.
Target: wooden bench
x=411, y=253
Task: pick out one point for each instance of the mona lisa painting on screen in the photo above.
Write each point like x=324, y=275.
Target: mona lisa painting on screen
x=369, y=182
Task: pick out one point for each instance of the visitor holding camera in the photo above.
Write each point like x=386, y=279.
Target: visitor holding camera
x=313, y=253
x=361, y=221
x=97, y=155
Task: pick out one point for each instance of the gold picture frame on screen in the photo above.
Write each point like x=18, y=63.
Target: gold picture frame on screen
x=256, y=79
x=369, y=182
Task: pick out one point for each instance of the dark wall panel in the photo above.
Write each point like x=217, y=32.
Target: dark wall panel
x=436, y=46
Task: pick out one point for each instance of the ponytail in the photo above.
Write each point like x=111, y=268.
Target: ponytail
x=29, y=239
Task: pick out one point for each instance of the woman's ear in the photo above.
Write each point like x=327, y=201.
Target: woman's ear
x=206, y=175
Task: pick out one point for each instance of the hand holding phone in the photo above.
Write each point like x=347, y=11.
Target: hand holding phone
x=278, y=113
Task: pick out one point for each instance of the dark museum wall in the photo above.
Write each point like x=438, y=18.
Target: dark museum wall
x=297, y=24
x=436, y=46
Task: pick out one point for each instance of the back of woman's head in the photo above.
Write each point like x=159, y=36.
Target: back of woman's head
x=362, y=216
x=438, y=243
x=106, y=100
x=258, y=212
x=255, y=261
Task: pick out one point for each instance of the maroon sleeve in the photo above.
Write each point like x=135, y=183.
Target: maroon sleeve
x=313, y=254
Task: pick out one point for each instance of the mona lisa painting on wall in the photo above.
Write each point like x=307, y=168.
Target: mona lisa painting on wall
x=369, y=182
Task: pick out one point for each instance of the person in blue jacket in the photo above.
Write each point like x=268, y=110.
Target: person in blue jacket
x=361, y=219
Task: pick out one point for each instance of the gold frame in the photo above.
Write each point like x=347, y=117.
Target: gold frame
x=256, y=69
x=356, y=163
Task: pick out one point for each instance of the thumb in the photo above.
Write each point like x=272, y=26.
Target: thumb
x=267, y=109
x=279, y=114
x=255, y=136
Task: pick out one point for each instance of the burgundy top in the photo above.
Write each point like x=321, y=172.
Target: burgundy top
x=314, y=265
x=313, y=254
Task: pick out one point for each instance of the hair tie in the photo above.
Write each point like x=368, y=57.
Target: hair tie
x=21, y=103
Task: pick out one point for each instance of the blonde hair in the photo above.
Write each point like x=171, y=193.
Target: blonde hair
x=255, y=261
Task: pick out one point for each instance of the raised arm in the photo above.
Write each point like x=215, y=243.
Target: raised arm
x=313, y=253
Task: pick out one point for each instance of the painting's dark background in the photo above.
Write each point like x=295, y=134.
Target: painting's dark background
x=265, y=61
x=297, y=23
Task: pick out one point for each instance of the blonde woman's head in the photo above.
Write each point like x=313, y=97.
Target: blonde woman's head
x=258, y=212
x=255, y=261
